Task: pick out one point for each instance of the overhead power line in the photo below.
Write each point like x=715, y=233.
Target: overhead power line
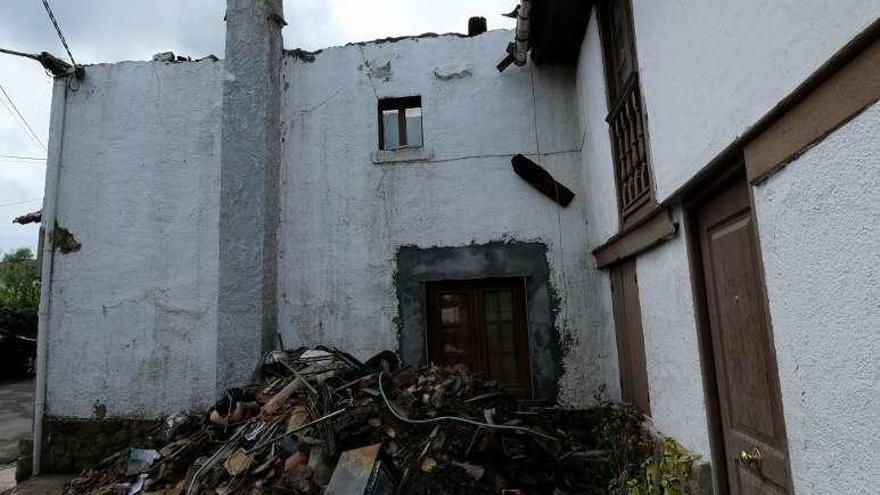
x=11, y=163
x=23, y=158
x=22, y=202
x=50, y=62
x=20, y=54
x=10, y=107
x=58, y=30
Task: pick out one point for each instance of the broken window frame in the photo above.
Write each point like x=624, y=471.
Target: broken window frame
x=627, y=123
x=401, y=105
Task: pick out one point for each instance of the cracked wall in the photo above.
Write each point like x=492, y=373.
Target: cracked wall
x=344, y=217
x=133, y=312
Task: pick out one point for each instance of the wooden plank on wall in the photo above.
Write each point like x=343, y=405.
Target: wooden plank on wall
x=657, y=228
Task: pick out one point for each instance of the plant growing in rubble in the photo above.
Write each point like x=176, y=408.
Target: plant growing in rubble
x=666, y=472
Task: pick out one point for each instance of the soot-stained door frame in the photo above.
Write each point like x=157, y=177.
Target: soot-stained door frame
x=418, y=266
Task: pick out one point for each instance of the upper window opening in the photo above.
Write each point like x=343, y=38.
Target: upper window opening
x=400, y=123
x=626, y=118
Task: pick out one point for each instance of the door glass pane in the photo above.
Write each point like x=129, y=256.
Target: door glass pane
x=500, y=337
x=453, y=310
x=455, y=337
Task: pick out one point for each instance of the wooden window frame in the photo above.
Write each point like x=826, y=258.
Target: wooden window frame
x=475, y=288
x=625, y=101
x=401, y=104
x=632, y=361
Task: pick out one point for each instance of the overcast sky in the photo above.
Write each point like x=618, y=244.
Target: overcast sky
x=114, y=30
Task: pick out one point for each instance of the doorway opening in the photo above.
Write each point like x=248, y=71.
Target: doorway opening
x=481, y=324
x=749, y=442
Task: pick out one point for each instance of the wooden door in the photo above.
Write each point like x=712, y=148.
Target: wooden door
x=749, y=405
x=481, y=324
x=630, y=339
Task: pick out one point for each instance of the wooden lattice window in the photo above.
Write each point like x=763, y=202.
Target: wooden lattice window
x=630, y=149
x=626, y=120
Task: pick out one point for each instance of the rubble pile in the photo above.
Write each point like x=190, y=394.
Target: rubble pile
x=320, y=421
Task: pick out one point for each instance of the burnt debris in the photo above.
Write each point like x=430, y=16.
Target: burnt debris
x=541, y=180
x=320, y=421
x=32, y=217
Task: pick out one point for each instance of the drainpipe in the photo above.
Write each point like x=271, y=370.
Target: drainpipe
x=517, y=51
x=50, y=208
x=522, y=33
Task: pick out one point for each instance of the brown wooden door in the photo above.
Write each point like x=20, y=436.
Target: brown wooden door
x=481, y=324
x=752, y=426
x=630, y=339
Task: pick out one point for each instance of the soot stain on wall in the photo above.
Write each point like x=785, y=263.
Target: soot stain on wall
x=496, y=259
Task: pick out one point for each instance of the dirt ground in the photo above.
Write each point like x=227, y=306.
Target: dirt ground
x=16, y=421
x=41, y=485
x=16, y=416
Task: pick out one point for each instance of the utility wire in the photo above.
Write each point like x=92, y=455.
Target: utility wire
x=58, y=30
x=24, y=201
x=23, y=158
x=20, y=54
x=19, y=162
x=27, y=126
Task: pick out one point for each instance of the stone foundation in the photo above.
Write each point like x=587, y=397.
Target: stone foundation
x=71, y=445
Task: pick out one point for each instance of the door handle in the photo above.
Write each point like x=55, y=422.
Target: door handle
x=753, y=459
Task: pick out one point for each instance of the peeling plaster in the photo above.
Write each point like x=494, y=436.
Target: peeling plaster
x=453, y=71
x=65, y=241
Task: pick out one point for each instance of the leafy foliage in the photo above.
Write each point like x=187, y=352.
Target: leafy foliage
x=19, y=292
x=666, y=472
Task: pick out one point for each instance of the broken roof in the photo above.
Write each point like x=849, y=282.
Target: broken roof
x=32, y=217
x=557, y=30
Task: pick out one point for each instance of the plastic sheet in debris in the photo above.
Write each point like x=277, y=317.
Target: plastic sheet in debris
x=140, y=460
x=362, y=471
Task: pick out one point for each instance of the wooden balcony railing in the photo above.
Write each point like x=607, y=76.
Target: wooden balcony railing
x=632, y=172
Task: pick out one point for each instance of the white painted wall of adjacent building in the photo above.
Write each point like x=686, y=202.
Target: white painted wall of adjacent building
x=820, y=238
x=133, y=313
x=344, y=217
x=597, y=165
x=672, y=355
x=710, y=70
x=678, y=404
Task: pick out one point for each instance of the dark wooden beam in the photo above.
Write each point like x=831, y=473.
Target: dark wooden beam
x=541, y=180
x=657, y=228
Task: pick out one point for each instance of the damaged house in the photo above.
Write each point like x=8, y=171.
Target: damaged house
x=672, y=204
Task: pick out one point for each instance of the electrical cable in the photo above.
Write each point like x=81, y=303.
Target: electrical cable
x=23, y=158
x=24, y=201
x=20, y=54
x=453, y=418
x=58, y=30
x=27, y=126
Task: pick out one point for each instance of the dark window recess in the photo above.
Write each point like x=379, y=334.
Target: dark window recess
x=630, y=339
x=481, y=324
x=626, y=119
x=400, y=123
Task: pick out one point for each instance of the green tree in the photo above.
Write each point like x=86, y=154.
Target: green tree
x=19, y=292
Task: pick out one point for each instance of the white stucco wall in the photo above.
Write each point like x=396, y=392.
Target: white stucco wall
x=133, y=320
x=710, y=70
x=820, y=238
x=344, y=217
x=597, y=165
x=671, y=346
